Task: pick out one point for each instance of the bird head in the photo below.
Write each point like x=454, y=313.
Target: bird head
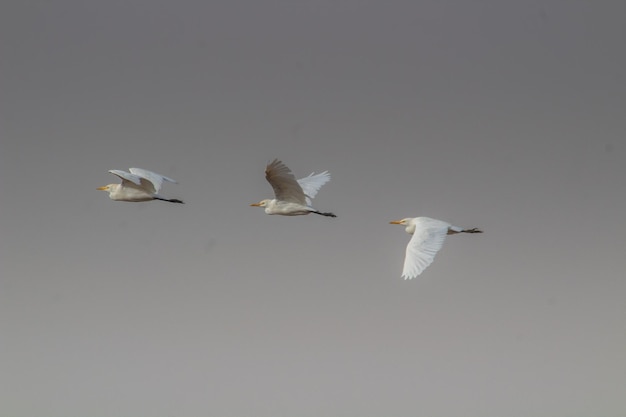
x=106, y=188
x=408, y=222
x=262, y=203
x=110, y=188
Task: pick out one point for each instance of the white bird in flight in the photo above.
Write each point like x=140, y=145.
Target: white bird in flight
x=428, y=236
x=138, y=185
x=293, y=197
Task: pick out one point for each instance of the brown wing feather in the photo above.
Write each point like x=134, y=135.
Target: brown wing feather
x=284, y=183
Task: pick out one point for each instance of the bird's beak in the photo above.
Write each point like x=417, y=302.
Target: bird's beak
x=255, y=205
x=395, y=222
x=102, y=188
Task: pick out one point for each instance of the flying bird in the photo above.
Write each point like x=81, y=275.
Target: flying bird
x=428, y=236
x=138, y=185
x=293, y=197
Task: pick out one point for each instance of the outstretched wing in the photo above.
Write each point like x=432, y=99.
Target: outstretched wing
x=311, y=185
x=151, y=181
x=285, y=186
x=128, y=179
x=426, y=241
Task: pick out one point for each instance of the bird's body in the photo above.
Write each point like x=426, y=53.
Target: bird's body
x=428, y=237
x=293, y=197
x=284, y=208
x=138, y=185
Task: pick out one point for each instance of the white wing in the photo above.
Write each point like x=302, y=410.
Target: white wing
x=311, y=185
x=426, y=241
x=285, y=186
x=127, y=177
x=152, y=181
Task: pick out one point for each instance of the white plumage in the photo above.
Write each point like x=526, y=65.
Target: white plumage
x=138, y=185
x=292, y=197
x=428, y=237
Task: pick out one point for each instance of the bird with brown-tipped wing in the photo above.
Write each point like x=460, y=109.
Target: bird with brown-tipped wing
x=292, y=197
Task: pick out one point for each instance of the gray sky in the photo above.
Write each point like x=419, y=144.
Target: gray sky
x=503, y=115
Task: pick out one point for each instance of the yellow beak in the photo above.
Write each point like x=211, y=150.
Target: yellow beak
x=255, y=205
x=102, y=188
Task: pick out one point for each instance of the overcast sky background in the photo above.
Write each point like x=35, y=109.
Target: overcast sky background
x=503, y=115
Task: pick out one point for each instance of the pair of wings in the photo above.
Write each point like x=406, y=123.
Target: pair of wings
x=148, y=180
x=287, y=188
x=426, y=241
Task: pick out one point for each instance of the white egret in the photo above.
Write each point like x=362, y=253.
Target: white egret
x=428, y=236
x=293, y=197
x=138, y=185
